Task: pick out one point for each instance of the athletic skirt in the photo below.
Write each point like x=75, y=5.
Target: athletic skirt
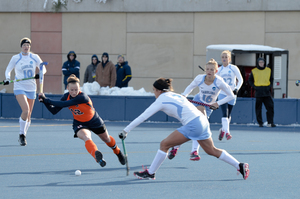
x=196, y=129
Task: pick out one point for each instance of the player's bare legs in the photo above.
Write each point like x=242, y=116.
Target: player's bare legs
x=194, y=156
x=90, y=146
x=111, y=142
x=25, y=118
x=210, y=149
x=22, y=100
x=173, y=139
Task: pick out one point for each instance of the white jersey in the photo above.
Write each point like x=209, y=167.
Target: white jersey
x=25, y=67
x=229, y=74
x=209, y=93
x=174, y=105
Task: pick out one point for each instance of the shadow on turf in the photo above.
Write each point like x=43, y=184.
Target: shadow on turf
x=17, y=145
x=125, y=182
x=85, y=171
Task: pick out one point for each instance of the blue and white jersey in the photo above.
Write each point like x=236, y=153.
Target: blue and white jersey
x=25, y=67
x=174, y=105
x=208, y=94
x=229, y=74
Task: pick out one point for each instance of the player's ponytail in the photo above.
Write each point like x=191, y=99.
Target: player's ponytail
x=163, y=84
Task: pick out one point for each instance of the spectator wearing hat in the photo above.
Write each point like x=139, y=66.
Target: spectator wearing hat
x=106, y=72
x=123, y=72
x=72, y=66
x=261, y=81
x=90, y=71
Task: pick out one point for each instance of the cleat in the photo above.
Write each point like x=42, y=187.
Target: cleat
x=244, y=170
x=271, y=125
x=121, y=158
x=99, y=158
x=228, y=136
x=172, y=153
x=144, y=175
x=261, y=125
x=195, y=156
x=22, y=140
x=221, y=135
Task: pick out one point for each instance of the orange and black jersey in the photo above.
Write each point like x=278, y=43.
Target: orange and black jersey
x=81, y=106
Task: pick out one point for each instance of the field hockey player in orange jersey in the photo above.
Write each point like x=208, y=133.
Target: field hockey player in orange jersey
x=86, y=119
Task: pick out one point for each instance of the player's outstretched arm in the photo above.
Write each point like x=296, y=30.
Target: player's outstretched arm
x=50, y=107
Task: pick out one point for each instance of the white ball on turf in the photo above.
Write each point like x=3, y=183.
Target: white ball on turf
x=77, y=172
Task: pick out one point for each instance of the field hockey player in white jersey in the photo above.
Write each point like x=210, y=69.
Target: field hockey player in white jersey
x=232, y=76
x=195, y=126
x=24, y=64
x=209, y=85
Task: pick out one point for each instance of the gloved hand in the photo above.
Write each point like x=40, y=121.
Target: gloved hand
x=42, y=98
x=123, y=135
x=235, y=91
x=213, y=107
x=6, y=82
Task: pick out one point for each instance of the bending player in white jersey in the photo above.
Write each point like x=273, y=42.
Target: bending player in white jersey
x=25, y=64
x=195, y=127
x=229, y=73
x=210, y=86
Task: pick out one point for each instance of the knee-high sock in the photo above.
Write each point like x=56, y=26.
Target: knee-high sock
x=22, y=126
x=27, y=127
x=112, y=144
x=158, y=160
x=195, y=146
x=91, y=147
x=225, y=124
x=226, y=157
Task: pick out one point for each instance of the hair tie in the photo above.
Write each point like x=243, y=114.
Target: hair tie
x=73, y=81
x=160, y=87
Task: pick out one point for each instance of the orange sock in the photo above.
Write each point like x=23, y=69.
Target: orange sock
x=112, y=144
x=91, y=147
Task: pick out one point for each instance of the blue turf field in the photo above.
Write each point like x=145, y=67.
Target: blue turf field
x=45, y=167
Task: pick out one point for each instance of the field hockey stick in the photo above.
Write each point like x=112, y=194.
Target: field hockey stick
x=17, y=80
x=297, y=82
x=202, y=104
x=201, y=68
x=125, y=154
x=42, y=75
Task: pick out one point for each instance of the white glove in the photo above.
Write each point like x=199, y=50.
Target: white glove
x=123, y=135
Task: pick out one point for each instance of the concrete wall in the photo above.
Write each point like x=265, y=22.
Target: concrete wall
x=153, y=5
x=159, y=38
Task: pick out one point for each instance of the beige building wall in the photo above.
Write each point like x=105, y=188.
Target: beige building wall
x=283, y=29
x=11, y=35
x=161, y=44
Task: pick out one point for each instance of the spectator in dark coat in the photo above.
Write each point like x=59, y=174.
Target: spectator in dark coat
x=90, y=72
x=72, y=66
x=123, y=72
